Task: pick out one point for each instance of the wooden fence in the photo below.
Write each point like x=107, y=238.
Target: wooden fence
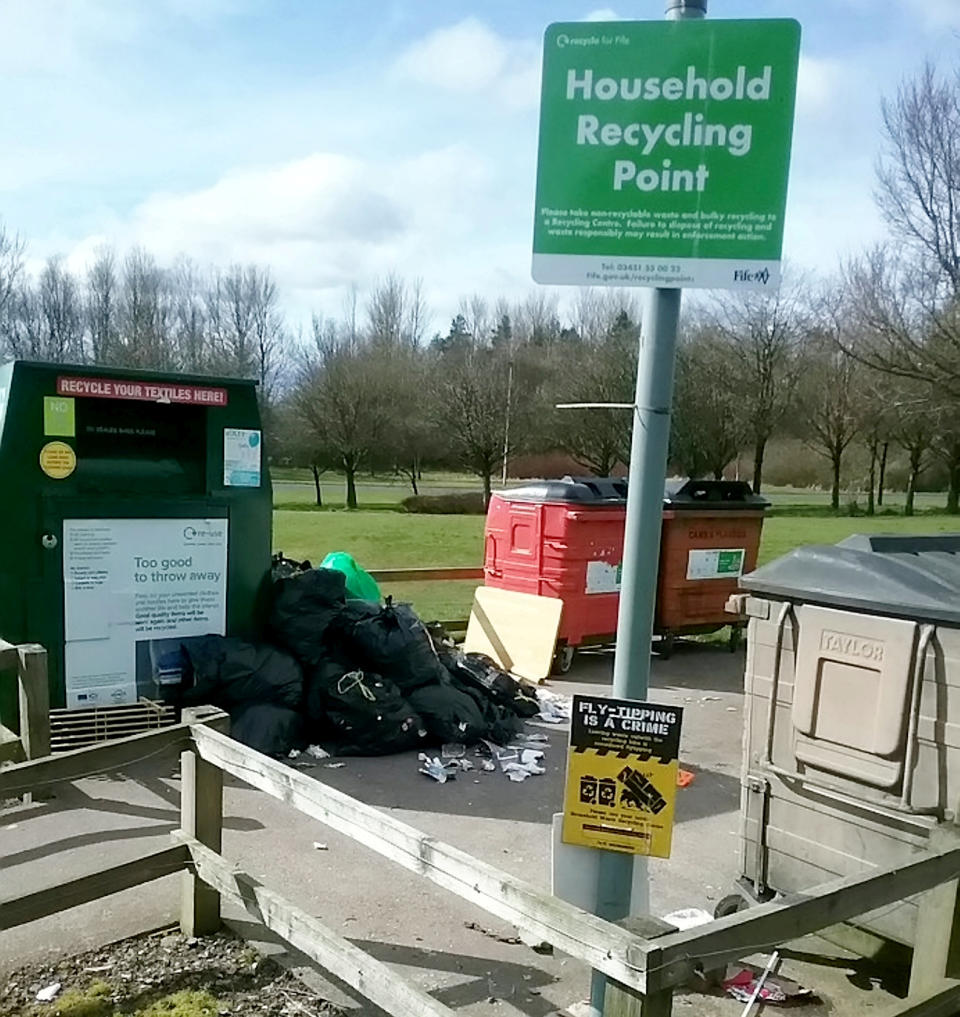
x=643, y=969
x=27, y=665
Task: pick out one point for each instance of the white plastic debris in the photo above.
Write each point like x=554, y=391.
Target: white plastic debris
x=488, y=766
x=293, y=754
x=49, y=993
x=516, y=772
x=531, y=760
x=334, y=766
x=317, y=752
x=453, y=750
x=435, y=768
x=554, y=708
x=688, y=918
x=532, y=739
x=317, y=846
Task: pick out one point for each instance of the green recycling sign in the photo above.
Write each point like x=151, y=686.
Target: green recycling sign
x=664, y=152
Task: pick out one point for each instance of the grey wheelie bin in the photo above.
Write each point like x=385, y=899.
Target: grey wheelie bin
x=852, y=713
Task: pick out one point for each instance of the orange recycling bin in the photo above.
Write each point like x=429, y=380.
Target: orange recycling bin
x=564, y=538
x=710, y=537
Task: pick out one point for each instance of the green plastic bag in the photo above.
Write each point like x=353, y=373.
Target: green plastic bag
x=360, y=584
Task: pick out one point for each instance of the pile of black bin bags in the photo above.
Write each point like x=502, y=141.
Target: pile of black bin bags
x=356, y=677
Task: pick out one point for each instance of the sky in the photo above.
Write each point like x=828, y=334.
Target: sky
x=336, y=141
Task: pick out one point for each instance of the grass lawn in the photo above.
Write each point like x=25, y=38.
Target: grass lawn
x=389, y=539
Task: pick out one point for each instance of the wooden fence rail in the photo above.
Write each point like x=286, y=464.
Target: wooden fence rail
x=29, y=665
x=644, y=971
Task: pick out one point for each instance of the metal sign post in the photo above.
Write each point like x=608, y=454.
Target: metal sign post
x=649, y=444
x=663, y=161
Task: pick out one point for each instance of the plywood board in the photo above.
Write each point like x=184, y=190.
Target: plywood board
x=518, y=630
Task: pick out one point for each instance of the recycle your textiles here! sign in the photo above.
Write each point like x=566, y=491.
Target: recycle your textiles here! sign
x=664, y=152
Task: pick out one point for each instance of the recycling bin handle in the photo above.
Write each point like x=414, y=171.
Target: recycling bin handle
x=905, y=805
x=596, y=517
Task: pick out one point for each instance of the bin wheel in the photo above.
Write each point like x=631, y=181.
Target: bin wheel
x=729, y=905
x=563, y=660
x=736, y=638
x=666, y=645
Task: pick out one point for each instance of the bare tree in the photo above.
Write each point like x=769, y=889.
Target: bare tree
x=912, y=428
x=396, y=312
x=763, y=333
x=340, y=401
x=601, y=368
x=101, y=306
x=11, y=270
x=61, y=311
x=471, y=399
x=828, y=402
x=918, y=175
x=144, y=329
x=707, y=425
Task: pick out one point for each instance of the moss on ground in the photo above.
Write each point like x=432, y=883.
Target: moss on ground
x=96, y=1001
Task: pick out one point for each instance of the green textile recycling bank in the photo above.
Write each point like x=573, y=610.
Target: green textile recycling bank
x=664, y=152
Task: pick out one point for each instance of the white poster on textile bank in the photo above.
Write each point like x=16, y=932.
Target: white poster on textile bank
x=134, y=590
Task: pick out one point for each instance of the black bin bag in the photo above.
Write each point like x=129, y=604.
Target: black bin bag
x=304, y=605
x=367, y=715
x=393, y=642
x=230, y=673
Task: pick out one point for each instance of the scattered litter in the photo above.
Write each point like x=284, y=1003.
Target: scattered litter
x=535, y=943
x=488, y=766
x=477, y=927
x=516, y=772
x=436, y=768
x=688, y=918
x=49, y=994
x=532, y=739
x=709, y=699
x=731, y=709
x=317, y=846
x=334, y=766
x=743, y=980
x=554, y=708
x=293, y=754
x=685, y=778
x=453, y=750
x=317, y=752
x=461, y=764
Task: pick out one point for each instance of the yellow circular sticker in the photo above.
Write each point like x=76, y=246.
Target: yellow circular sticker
x=57, y=459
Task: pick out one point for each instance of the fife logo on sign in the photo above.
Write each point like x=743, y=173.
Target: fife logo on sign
x=744, y=275
x=663, y=154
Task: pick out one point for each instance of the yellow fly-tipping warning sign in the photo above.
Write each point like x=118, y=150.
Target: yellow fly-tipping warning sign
x=622, y=775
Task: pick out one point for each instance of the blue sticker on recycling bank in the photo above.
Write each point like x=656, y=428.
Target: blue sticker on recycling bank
x=241, y=457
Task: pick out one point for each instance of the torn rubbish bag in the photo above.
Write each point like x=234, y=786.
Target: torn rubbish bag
x=304, y=605
x=393, y=642
x=368, y=716
x=231, y=673
x=268, y=728
x=449, y=715
x=502, y=688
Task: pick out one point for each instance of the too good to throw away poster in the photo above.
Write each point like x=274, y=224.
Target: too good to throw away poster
x=134, y=590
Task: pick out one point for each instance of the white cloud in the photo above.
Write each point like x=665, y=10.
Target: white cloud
x=820, y=82
x=469, y=57
x=327, y=220
x=603, y=14
x=934, y=15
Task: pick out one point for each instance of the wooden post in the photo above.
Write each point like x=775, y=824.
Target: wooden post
x=201, y=816
x=34, y=691
x=936, y=950
x=621, y=1001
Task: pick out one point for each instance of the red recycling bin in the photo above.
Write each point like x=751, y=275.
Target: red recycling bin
x=564, y=538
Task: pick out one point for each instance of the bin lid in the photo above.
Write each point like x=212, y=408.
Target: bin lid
x=690, y=494
x=718, y=494
x=899, y=575
x=572, y=490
